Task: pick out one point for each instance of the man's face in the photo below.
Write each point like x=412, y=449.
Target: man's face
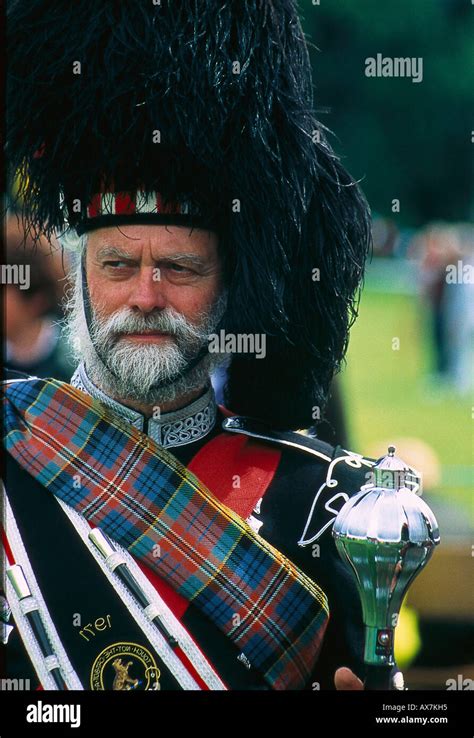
x=156, y=293
x=150, y=268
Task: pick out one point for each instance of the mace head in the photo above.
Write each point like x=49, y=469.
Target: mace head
x=386, y=534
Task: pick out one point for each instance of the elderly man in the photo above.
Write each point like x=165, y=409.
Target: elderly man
x=156, y=540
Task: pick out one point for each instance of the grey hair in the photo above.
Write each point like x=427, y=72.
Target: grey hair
x=71, y=241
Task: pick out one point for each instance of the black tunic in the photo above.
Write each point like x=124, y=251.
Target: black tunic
x=284, y=513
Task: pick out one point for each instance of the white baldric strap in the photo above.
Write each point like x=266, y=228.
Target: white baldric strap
x=20, y=608
x=143, y=617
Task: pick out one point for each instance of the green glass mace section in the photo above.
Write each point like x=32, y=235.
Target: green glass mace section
x=386, y=534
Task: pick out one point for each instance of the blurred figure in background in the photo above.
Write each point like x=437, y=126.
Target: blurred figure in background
x=446, y=283
x=386, y=235
x=459, y=309
x=33, y=342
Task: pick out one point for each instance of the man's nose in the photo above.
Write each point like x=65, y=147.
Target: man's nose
x=148, y=292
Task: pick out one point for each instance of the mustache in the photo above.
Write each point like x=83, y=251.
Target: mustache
x=126, y=321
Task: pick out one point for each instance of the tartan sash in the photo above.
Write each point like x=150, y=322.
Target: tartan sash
x=144, y=498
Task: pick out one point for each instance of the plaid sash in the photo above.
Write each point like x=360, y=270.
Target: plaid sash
x=144, y=498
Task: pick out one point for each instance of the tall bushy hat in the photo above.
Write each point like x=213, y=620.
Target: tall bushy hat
x=205, y=110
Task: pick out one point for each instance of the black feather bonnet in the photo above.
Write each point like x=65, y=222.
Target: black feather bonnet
x=208, y=101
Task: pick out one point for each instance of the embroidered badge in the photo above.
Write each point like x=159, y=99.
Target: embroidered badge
x=125, y=666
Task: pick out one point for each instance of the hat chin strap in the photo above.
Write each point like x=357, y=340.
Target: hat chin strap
x=86, y=301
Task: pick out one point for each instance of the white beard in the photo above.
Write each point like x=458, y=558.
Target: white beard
x=134, y=372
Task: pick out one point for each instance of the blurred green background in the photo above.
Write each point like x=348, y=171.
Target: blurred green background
x=388, y=394
x=407, y=140
x=404, y=380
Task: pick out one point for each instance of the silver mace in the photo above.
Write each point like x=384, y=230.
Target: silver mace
x=385, y=534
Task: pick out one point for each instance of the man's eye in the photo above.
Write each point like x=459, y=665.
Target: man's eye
x=179, y=268
x=116, y=264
